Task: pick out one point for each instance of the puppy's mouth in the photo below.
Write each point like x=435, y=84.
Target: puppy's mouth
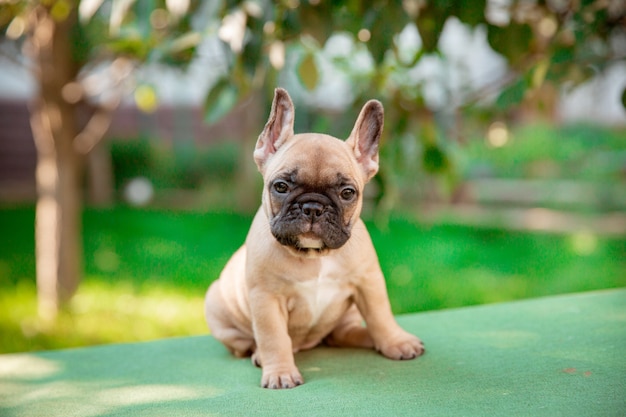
x=310, y=240
x=308, y=244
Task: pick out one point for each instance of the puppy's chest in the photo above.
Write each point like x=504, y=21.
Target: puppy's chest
x=321, y=299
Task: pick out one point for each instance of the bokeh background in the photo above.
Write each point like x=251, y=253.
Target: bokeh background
x=127, y=129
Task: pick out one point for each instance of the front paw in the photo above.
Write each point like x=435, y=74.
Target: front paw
x=403, y=347
x=279, y=379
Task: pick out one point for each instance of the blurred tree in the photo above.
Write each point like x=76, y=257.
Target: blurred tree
x=547, y=44
x=544, y=42
x=77, y=65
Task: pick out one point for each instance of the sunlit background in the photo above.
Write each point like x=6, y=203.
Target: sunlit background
x=503, y=162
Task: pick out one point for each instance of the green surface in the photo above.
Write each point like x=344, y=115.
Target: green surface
x=544, y=357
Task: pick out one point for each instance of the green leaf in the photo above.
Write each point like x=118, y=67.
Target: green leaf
x=384, y=20
x=130, y=45
x=142, y=11
x=513, y=94
x=434, y=159
x=429, y=24
x=471, y=12
x=81, y=43
x=512, y=41
x=313, y=20
x=220, y=101
x=563, y=55
x=307, y=72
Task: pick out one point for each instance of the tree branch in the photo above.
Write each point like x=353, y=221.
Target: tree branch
x=96, y=127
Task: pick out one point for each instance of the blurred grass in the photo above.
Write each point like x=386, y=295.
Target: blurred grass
x=181, y=165
x=147, y=270
x=575, y=152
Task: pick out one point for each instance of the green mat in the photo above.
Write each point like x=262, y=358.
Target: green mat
x=558, y=356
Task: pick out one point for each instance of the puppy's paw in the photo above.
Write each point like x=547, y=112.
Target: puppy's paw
x=403, y=347
x=256, y=360
x=281, y=379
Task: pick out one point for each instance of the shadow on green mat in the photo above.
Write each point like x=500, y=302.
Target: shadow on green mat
x=559, y=356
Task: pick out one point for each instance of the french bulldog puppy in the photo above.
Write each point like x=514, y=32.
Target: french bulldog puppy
x=308, y=272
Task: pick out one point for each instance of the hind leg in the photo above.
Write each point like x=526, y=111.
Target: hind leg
x=350, y=332
x=238, y=339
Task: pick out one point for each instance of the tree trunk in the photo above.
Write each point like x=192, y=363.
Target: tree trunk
x=53, y=121
x=99, y=169
x=248, y=178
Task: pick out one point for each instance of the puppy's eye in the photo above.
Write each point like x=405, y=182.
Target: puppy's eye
x=281, y=187
x=348, y=193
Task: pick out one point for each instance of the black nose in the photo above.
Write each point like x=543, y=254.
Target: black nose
x=312, y=209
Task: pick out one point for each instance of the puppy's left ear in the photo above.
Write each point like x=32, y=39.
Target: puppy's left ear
x=278, y=129
x=365, y=137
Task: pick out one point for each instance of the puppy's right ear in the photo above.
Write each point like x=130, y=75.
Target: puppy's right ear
x=278, y=129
